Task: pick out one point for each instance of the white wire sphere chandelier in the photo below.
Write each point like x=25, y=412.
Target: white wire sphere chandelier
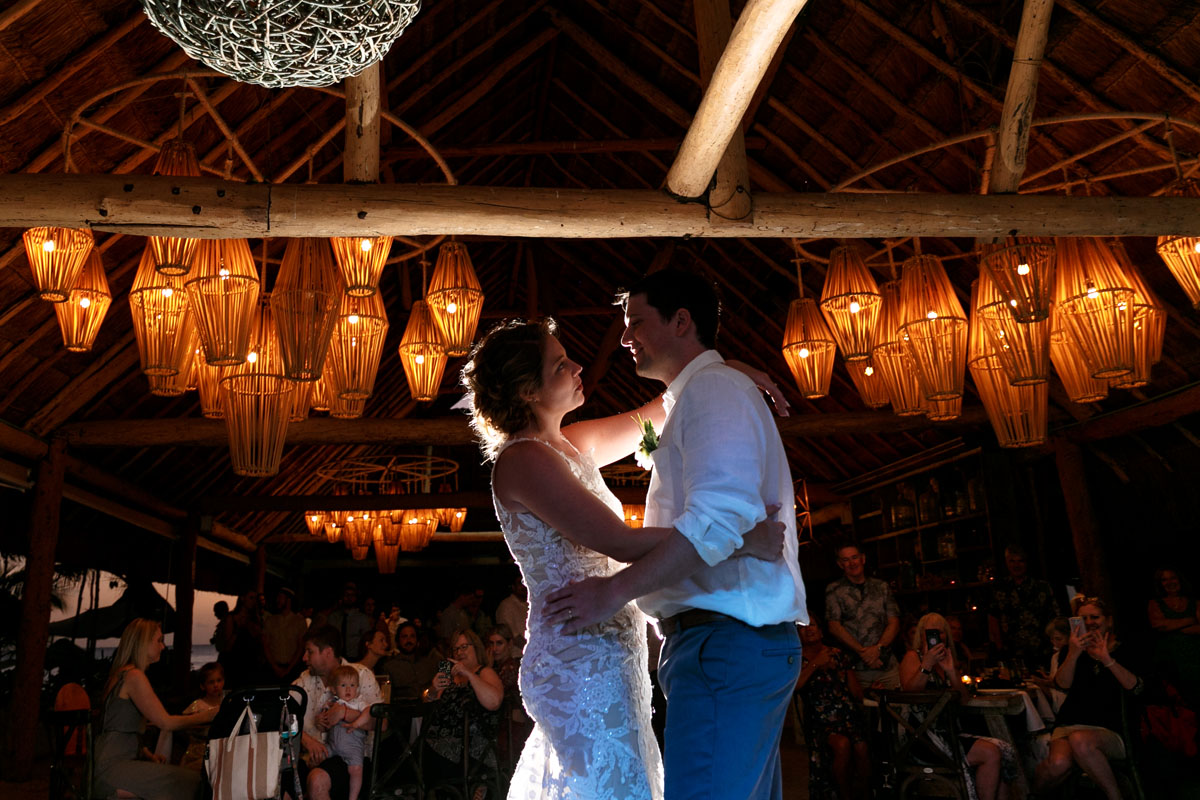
x=284, y=43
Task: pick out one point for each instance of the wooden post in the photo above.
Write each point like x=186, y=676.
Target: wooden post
x=1016, y=118
x=260, y=569
x=1085, y=533
x=360, y=164
x=729, y=198
x=33, y=630
x=185, y=599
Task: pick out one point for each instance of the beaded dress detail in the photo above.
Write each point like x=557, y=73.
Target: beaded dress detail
x=589, y=693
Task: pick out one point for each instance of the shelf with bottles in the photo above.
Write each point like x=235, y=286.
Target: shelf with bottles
x=979, y=515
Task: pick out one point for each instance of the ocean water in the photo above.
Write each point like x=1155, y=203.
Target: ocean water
x=201, y=653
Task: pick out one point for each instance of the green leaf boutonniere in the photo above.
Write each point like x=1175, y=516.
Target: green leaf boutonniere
x=648, y=443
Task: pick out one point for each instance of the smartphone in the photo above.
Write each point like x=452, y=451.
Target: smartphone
x=933, y=637
x=444, y=667
x=1077, y=627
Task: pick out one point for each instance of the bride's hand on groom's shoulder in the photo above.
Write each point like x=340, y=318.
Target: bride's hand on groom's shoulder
x=765, y=540
x=578, y=605
x=763, y=381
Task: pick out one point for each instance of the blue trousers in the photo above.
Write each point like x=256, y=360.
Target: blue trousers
x=728, y=687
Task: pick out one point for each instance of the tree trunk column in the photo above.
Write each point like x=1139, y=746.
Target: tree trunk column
x=185, y=600
x=34, y=630
x=1085, y=533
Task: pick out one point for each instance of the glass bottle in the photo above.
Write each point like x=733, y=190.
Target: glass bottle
x=975, y=494
x=903, y=512
x=928, y=506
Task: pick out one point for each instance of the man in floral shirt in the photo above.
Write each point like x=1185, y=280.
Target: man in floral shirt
x=864, y=616
x=1021, y=609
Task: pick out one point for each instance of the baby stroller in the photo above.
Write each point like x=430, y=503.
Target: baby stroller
x=278, y=709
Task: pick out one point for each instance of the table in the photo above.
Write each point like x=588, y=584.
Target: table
x=994, y=707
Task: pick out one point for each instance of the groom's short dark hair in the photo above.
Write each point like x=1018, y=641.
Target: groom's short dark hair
x=669, y=290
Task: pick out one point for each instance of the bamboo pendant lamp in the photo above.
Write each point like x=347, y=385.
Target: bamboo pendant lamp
x=1022, y=270
x=347, y=408
x=850, y=301
x=895, y=366
x=390, y=530
x=933, y=327
x=357, y=345
x=1069, y=365
x=360, y=260
x=302, y=393
x=333, y=532
x=422, y=354
x=162, y=319
x=1022, y=347
x=315, y=520
x=322, y=397
x=223, y=289
x=1018, y=414
x=385, y=554
x=305, y=302
x=635, y=515
x=360, y=553
x=1182, y=253
x=452, y=519
x=809, y=348
x=869, y=382
x=57, y=257
x=416, y=529
x=1095, y=299
x=173, y=256
x=169, y=385
x=257, y=402
x=360, y=528
x=943, y=410
x=1149, y=325
x=455, y=298
x=208, y=379
x=80, y=316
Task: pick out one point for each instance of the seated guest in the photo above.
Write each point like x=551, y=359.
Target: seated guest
x=1085, y=735
x=1175, y=618
x=839, y=764
x=123, y=768
x=1059, y=633
x=212, y=682
x=962, y=654
x=928, y=668
x=472, y=689
x=410, y=670
x=376, y=648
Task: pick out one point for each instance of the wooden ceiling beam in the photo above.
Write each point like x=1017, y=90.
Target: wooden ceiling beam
x=544, y=148
x=1012, y=141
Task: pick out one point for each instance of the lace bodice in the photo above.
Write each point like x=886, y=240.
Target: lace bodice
x=589, y=693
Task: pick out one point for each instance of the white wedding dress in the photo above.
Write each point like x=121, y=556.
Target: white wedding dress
x=589, y=693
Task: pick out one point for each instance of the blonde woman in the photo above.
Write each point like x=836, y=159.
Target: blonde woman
x=929, y=665
x=129, y=703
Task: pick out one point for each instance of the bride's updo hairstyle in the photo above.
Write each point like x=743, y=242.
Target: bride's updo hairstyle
x=505, y=367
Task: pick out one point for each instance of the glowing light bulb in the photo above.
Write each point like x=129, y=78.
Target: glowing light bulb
x=869, y=371
x=451, y=307
x=352, y=319
x=1022, y=269
x=1013, y=302
x=966, y=679
x=855, y=307
x=1092, y=292
x=458, y=514
x=252, y=357
x=84, y=302
x=1196, y=246
x=419, y=359
x=168, y=291
x=1120, y=306
x=48, y=246
x=364, y=245
x=803, y=352
x=931, y=315
x=223, y=272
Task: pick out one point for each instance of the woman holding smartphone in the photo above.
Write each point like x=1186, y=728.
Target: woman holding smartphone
x=1094, y=680
x=929, y=666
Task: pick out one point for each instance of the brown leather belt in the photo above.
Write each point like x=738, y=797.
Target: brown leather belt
x=692, y=618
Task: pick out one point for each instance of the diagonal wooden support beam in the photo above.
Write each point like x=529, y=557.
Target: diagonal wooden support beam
x=1012, y=141
x=757, y=35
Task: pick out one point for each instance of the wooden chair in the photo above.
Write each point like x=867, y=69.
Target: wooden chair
x=71, y=752
x=924, y=757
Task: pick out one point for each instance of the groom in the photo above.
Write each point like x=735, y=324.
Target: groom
x=731, y=655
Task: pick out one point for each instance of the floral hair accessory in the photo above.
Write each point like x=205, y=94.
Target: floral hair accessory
x=648, y=443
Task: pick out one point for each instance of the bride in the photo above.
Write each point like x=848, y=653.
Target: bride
x=589, y=693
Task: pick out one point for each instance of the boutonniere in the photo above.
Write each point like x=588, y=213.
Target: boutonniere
x=648, y=443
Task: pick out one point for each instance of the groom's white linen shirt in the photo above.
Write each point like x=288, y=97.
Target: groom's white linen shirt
x=718, y=464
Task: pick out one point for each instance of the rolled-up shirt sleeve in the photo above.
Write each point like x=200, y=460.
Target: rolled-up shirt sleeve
x=722, y=447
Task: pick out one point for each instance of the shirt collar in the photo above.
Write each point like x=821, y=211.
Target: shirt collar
x=675, y=387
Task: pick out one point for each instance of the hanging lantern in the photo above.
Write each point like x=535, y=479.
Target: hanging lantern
x=173, y=256
x=933, y=327
x=385, y=554
x=895, y=365
x=360, y=528
x=452, y=519
x=357, y=345
x=360, y=552
x=389, y=529
x=333, y=532
x=869, y=382
x=943, y=410
x=360, y=260
x=1095, y=299
x=416, y=529
x=347, y=408
x=322, y=396
x=808, y=347
x=635, y=515
x=455, y=298
x=79, y=317
x=305, y=302
x=1068, y=362
x=1149, y=324
x=162, y=320
x=422, y=354
x=169, y=385
x=1022, y=347
x=208, y=381
x=1022, y=270
x=851, y=302
x=1018, y=413
x=301, y=401
x=257, y=402
x=1182, y=253
x=57, y=257
x=315, y=520
x=223, y=290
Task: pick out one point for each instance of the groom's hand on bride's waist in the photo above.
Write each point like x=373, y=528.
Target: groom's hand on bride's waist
x=765, y=540
x=578, y=605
